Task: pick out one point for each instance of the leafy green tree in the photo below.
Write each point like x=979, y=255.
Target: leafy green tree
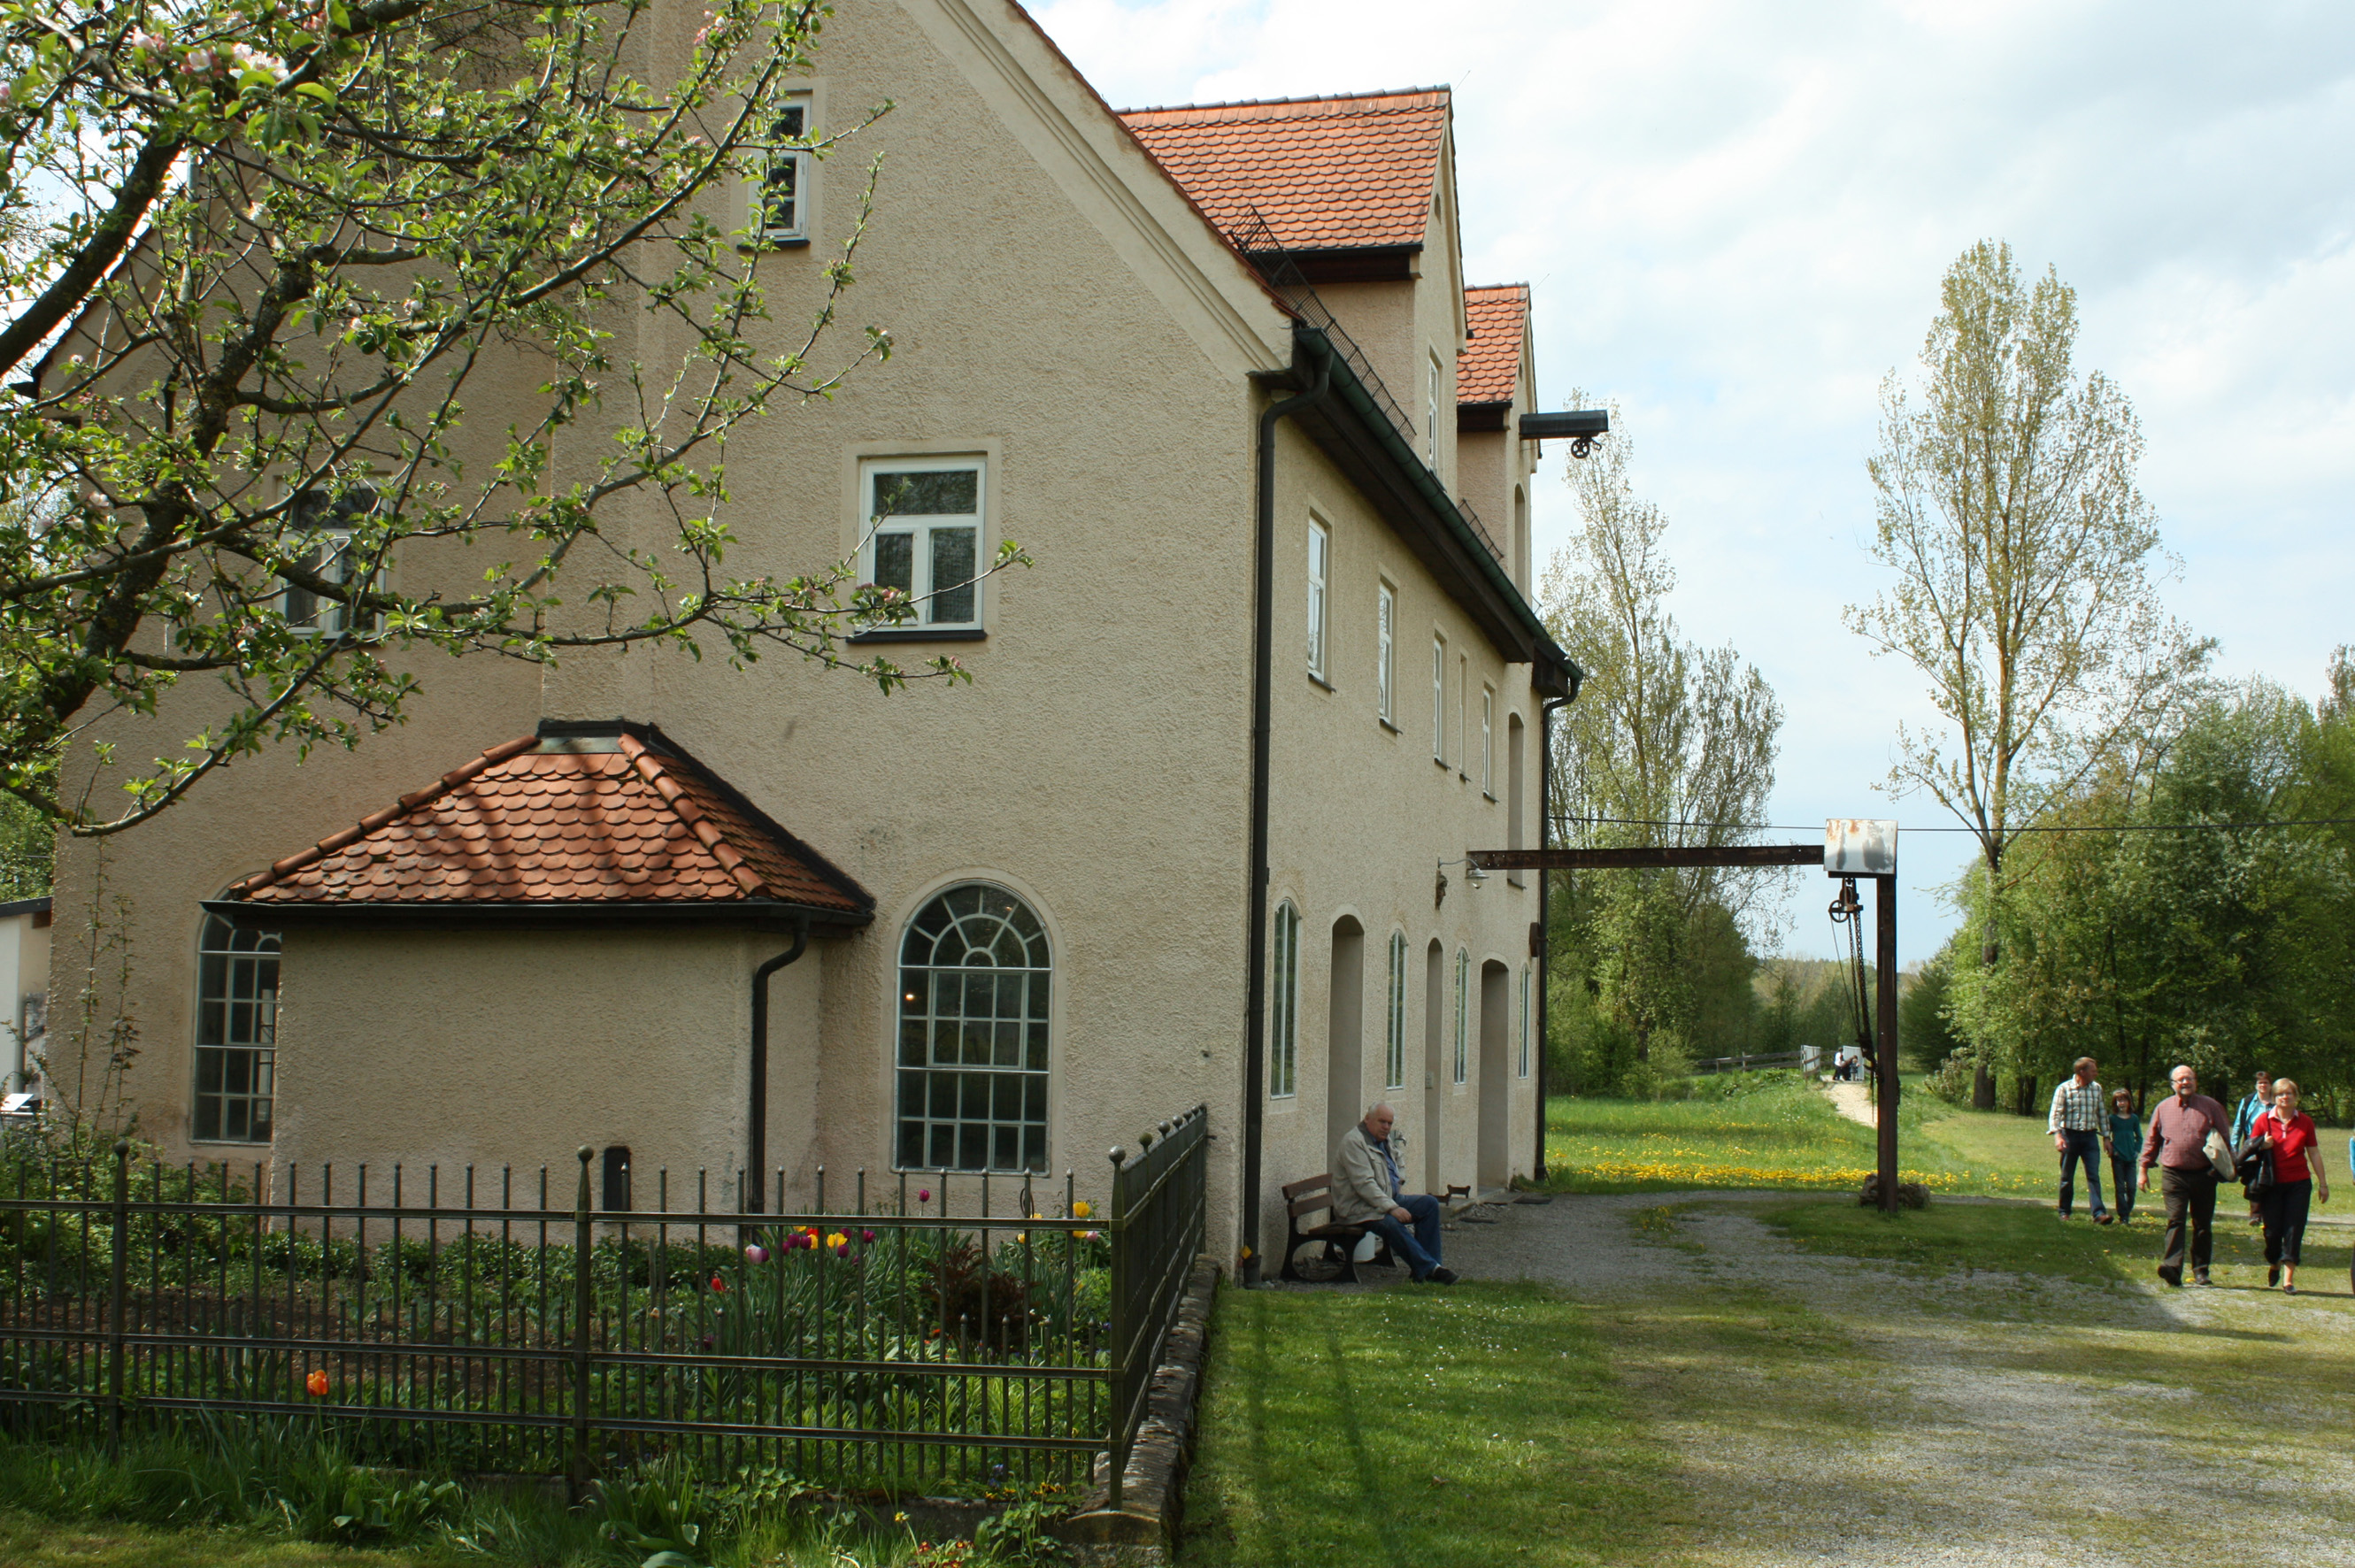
x=1669, y=744
x=1925, y=1035
x=2178, y=924
x=2026, y=562
x=28, y=850
x=290, y=247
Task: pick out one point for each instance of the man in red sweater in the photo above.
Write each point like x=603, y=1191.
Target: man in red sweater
x=2177, y=1144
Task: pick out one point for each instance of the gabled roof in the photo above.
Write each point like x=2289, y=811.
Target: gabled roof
x=612, y=819
x=1325, y=173
x=1489, y=369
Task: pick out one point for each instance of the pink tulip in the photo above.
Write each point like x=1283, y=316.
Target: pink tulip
x=756, y=1253
x=923, y=1195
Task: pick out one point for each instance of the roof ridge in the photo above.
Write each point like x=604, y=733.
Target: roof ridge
x=762, y=821
x=1428, y=94
x=343, y=838
x=690, y=810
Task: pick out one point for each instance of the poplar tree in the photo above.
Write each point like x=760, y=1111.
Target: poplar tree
x=2026, y=560
x=1668, y=744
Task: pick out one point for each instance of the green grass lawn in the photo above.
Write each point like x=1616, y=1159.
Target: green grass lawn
x=1775, y=1131
x=1476, y=1426
x=27, y=1541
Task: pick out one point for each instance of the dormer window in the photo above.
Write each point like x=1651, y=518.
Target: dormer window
x=1431, y=416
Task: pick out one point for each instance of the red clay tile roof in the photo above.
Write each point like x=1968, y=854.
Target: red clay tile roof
x=1489, y=369
x=1323, y=172
x=518, y=825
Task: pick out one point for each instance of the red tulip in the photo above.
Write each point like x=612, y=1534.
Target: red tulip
x=318, y=1384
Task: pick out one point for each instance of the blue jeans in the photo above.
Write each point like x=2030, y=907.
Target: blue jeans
x=2122, y=1180
x=1420, y=1250
x=2075, y=1146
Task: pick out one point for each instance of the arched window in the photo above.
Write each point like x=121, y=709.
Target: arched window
x=1394, y=1063
x=1527, y=971
x=1283, y=1032
x=1462, y=1014
x=974, y=974
x=236, y=1033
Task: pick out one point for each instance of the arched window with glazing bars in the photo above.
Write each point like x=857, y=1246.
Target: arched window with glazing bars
x=975, y=984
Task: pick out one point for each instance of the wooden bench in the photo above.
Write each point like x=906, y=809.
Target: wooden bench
x=1315, y=1196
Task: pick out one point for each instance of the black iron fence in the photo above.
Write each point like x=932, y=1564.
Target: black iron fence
x=918, y=1332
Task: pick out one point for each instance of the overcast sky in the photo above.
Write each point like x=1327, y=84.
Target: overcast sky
x=1736, y=216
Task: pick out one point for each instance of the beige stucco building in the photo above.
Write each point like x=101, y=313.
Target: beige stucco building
x=1181, y=840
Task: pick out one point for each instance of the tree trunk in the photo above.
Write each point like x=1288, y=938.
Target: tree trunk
x=1982, y=1087
x=2027, y=1104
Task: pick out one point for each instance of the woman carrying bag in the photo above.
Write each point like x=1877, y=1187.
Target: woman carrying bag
x=2288, y=1134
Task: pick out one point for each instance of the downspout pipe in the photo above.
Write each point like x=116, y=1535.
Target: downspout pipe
x=1316, y=347
x=756, y=1137
x=1545, y=925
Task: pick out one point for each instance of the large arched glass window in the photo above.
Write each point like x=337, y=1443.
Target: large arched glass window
x=236, y=1033
x=974, y=976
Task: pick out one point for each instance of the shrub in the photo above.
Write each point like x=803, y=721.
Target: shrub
x=1951, y=1081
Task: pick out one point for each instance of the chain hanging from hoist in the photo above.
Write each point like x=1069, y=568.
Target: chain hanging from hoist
x=1848, y=909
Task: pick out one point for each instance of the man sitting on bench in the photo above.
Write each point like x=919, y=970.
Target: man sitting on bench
x=1369, y=1189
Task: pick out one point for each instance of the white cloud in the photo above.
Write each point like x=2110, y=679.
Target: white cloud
x=1736, y=216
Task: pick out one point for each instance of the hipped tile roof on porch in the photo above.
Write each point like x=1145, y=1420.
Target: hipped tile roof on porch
x=546, y=823
x=1325, y=173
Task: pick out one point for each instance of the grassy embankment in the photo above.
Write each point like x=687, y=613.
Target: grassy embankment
x=1775, y=1131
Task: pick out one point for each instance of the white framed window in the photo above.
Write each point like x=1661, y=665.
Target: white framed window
x=975, y=986
x=1386, y=653
x=321, y=523
x=1320, y=555
x=1431, y=416
x=1284, y=1033
x=926, y=518
x=1527, y=970
x=236, y=1033
x=1488, y=741
x=785, y=177
x=1394, y=1060
x=1462, y=708
x=1439, y=700
x=1462, y=1013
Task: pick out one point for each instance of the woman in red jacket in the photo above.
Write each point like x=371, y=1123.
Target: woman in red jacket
x=2296, y=1179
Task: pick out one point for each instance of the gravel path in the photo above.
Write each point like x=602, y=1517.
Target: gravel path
x=1905, y=1419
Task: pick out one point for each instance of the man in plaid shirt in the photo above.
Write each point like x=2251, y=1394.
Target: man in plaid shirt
x=2078, y=1136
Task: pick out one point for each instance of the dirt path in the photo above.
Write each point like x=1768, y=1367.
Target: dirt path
x=1831, y=1411
x=1854, y=1101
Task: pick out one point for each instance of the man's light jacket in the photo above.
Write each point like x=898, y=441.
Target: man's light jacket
x=1361, y=1178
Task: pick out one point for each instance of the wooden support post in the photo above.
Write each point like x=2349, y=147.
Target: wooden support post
x=1884, y=1009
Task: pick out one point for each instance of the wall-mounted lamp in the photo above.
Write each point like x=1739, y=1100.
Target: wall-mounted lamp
x=1580, y=427
x=1473, y=875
